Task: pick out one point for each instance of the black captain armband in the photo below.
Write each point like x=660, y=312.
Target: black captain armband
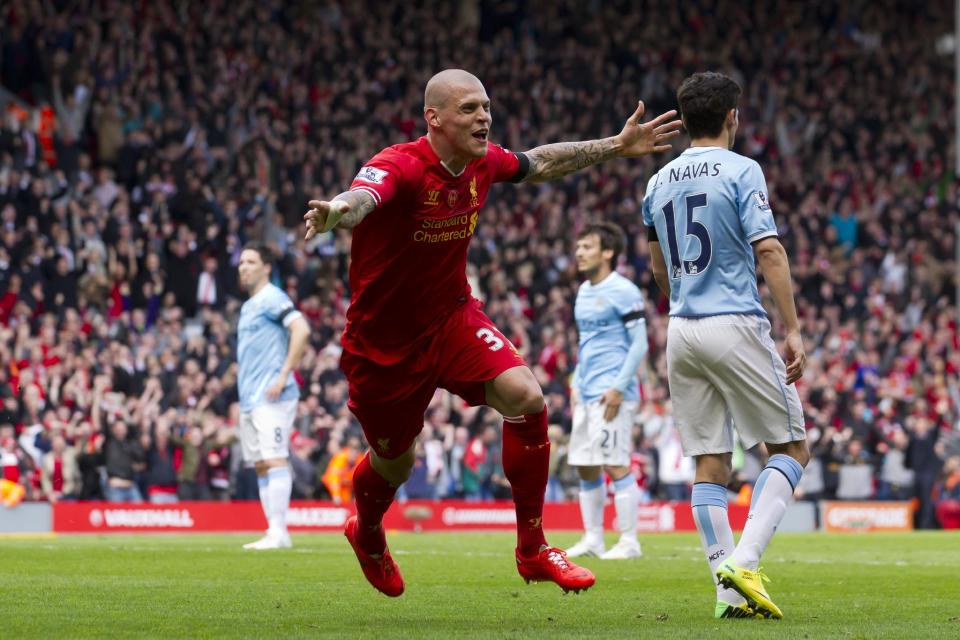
x=630, y=317
x=524, y=167
x=285, y=313
x=652, y=234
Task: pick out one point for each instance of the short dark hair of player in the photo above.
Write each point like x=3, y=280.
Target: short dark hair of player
x=611, y=237
x=265, y=252
x=705, y=100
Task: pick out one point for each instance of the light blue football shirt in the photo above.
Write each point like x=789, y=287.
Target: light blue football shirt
x=604, y=312
x=708, y=205
x=262, y=343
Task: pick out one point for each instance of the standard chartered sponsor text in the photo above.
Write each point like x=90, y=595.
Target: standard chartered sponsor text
x=443, y=223
x=467, y=221
x=445, y=236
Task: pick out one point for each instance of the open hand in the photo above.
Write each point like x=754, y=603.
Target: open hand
x=651, y=137
x=274, y=390
x=611, y=400
x=324, y=216
x=796, y=356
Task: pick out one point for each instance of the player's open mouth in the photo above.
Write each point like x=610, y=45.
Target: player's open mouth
x=481, y=135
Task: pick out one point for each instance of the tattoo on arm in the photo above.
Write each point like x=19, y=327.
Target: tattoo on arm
x=552, y=161
x=361, y=204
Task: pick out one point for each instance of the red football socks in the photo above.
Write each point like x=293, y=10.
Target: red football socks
x=374, y=496
x=526, y=461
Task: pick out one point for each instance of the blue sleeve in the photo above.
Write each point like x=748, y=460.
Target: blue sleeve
x=756, y=217
x=638, y=349
x=280, y=308
x=645, y=207
x=629, y=304
x=628, y=301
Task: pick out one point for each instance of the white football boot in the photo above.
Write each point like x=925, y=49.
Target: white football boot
x=271, y=541
x=586, y=548
x=625, y=549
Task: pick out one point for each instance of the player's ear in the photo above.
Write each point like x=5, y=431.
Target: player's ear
x=432, y=117
x=733, y=117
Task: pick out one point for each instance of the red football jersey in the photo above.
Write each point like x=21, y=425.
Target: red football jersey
x=409, y=256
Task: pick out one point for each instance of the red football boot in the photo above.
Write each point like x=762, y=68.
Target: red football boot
x=383, y=573
x=551, y=565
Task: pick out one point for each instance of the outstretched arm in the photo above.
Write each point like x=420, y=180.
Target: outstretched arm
x=345, y=211
x=552, y=161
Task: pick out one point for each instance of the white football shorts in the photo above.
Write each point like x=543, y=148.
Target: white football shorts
x=725, y=373
x=265, y=431
x=595, y=442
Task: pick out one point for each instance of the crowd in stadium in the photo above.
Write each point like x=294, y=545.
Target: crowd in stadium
x=184, y=130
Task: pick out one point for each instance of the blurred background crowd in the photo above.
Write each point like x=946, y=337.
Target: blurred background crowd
x=142, y=144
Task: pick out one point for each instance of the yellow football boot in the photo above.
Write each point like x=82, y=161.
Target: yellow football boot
x=749, y=584
x=726, y=610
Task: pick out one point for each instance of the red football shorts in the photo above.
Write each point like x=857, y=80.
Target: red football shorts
x=390, y=400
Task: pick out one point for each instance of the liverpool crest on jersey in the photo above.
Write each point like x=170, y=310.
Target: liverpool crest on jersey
x=474, y=200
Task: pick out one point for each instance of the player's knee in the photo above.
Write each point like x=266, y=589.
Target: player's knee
x=515, y=392
x=616, y=472
x=727, y=465
x=589, y=474
x=533, y=401
x=798, y=450
x=716, y=468
x=524, y=398
x=801, y=454
x=397, y=470
x=397, y=475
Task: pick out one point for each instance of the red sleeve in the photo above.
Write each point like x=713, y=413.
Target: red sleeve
x=506, y=166
x=383, y=176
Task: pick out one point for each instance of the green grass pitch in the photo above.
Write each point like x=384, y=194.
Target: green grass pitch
x=465, y=586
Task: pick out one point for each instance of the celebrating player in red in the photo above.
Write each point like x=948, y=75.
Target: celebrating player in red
x=413, y=326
